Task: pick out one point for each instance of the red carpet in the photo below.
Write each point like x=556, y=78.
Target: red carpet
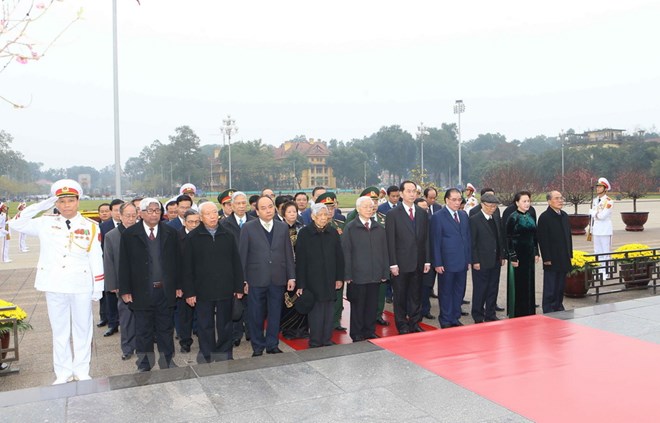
x=544, y=369
x=344, y=338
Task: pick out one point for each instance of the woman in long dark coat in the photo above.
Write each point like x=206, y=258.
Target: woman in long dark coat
x=523, y=253
x=320, y=269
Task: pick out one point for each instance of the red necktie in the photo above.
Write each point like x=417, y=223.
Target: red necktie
x=151, y=234
x=456, y=217
x=366, y=224
x=411, y=214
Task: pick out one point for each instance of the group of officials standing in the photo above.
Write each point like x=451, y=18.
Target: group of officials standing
x=211, y=264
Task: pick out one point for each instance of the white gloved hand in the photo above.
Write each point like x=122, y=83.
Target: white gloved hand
x=96, y=295
x=47, y=204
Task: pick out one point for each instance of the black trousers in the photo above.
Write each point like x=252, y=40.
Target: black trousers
x=364, y=303
x=265, y=303
x=183, y=321
x=321, y=322
x=156, y=321
x=214, y=330
x=553, y=290
x=407, y=300
x=485, y=285
x=111, y=310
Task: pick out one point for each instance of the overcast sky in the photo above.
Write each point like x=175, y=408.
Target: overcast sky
x=338, y=69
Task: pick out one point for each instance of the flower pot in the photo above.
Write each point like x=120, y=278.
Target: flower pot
x=634, y=220
x=576, y=285
x=578, y=223
x=4, y=341
x=636, y=274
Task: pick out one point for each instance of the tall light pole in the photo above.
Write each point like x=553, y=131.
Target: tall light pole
x=459, y=107
x=115, y=80
x=421, y=131
x=229, y=127
x=561, y=138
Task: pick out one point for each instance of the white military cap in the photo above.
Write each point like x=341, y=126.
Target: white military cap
x=604, y=182
x=66, y=187
x=187, y=188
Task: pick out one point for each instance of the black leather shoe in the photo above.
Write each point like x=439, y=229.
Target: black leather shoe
x=373, y=336
x=498, y=308
x=126, y=356
x=275, y=350
x=185, y=348
x=340, y=328
x=464, y=313
x=172, y=365
x=459, y=323
x=141, y=370
x=465, y=302
x=494, y=319
x=429, y=316
x=404, y=331
x=445, y=326
x=102, y=323
x=237, y=342
x=111, y=331
x=416, y=328
x=382, y=322
x=358, y=339
x=432, y=295
x=388, y=300
x=257, y=353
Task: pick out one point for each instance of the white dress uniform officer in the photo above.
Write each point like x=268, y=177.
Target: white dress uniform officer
x=190, y=190
x=22, y=244
x=70, y=272
x=471, y=200
x=601, y=219
x=4, y=233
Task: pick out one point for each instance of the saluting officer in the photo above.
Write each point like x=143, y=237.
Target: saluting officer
x=70, y=271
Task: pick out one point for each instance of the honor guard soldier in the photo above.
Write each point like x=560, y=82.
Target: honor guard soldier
x=191, y=191
x=4, y=233
x=601, y=219
x=70, y=272
x=470, y=200
x=371, y=192
x=224, y=199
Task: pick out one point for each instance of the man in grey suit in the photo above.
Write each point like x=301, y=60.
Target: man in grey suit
x=128, y=216
x=267, y=257
x=487, y=258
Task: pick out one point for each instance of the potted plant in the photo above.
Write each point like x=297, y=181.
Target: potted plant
x=10, y=311
x=577, y=190
x=576, y=279
x=635, y=184
x=637, y=262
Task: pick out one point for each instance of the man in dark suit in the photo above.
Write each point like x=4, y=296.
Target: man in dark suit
x=487, y=259
x=212, y=276
x=393, y=195
x=183, y=204
x=150, y=281
x=184, y=314
x=451, y=251
x=109, y=299
x=431, y=196
x=233, y=224
x=407, y=230
x=267, y=257
x=556, y=245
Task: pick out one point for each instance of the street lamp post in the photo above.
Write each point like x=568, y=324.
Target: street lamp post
x=115, y=91
x=229, y=127
x=421, y=131
x=459, y=107
x=561, y=138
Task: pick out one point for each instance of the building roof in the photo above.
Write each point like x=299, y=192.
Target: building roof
x=306, y=148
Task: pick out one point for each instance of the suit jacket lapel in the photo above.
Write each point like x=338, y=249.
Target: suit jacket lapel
x=409, y=222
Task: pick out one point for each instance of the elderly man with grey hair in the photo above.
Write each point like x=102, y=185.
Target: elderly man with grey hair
x=212, y=276
x=366, y=266
x=320, y=269
x=150, y=281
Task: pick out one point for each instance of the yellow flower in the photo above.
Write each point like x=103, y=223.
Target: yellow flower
x=632, y=247
x=18, y=313
x=580, y=260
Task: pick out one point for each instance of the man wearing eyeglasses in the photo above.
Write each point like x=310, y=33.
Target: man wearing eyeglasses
x=150, y=282
x=556, y=245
